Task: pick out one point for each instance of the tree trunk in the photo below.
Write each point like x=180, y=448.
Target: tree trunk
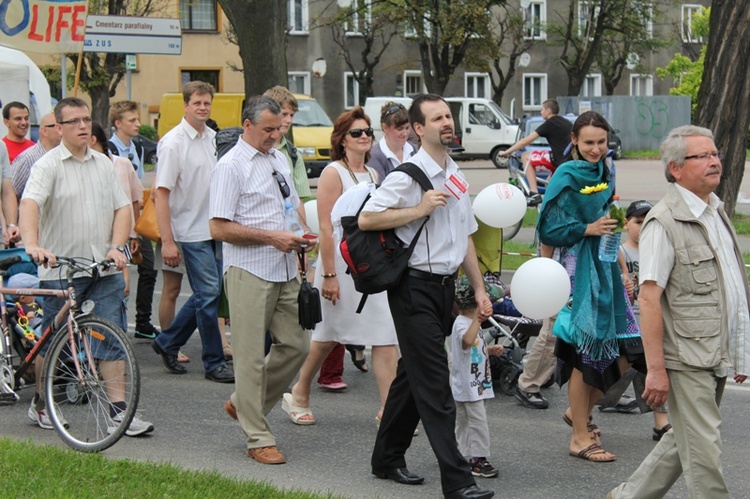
x=261, y=40
x=100, y=106
x=724, y=95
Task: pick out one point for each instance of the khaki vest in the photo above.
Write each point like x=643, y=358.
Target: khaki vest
x=696, y=332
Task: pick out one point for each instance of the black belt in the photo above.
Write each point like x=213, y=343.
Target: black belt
x=443, y=280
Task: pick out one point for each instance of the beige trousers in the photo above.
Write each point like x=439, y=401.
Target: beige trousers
x=694, y=446
x=257, y=306
x=541, y=361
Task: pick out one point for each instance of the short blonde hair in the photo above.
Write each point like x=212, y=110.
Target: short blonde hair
x=283, y=96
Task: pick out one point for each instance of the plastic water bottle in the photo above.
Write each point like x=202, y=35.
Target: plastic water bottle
x=292, y=219
x=609, y=244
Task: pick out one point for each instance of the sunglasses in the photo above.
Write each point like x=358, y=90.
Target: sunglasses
x=283, y=186
x=392, y=110
x=357, y=132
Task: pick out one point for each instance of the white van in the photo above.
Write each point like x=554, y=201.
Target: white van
x=372, y=108
x=482, y=128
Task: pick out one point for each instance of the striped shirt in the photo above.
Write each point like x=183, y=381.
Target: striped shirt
x=22, y=166
x=77, y=203
x=244, y=191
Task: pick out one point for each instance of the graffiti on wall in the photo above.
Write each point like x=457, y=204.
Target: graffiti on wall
x=652, y=117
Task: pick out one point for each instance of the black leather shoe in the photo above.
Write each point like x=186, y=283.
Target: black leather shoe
x=470, y=492
x=170, y=361
x=400, y=475
x=221, y=374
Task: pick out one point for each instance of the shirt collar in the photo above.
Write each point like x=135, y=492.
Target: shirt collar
x=432, y=168
x=192, y=132
x=120, y=145
x=66, y=154
x=408, y=150
x=696, y=205
x=253, y=151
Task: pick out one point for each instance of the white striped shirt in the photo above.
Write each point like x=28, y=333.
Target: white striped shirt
x=244, y=191
x=77, y=203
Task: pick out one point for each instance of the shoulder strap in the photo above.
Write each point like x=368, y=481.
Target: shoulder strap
x=292, y=152
x=113, y=148
x=416, y=173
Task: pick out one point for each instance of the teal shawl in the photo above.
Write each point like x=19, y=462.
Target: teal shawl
x=599, y=308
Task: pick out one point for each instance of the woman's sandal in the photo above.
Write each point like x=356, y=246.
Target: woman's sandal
x=181, y=357
x=657, y=434
x=592, y=428
x=589, y=452
x=360, y=364
x=296, y=413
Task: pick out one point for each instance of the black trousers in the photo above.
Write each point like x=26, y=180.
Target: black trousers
x=421, y=312
x=144, y=295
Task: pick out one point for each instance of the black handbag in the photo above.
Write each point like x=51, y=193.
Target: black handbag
x=308, y=300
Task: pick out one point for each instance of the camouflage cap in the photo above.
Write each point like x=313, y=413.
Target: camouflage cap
x=465, y=293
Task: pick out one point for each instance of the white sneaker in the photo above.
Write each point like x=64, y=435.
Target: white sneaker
x=137, y=426
x=41, y=419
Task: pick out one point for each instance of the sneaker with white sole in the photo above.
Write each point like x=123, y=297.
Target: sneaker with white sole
x=41, y=419
x=137, y=426
x=484, y=469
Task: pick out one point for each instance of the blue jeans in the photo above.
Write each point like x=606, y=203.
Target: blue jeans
x=108, y=304
x=203, y=265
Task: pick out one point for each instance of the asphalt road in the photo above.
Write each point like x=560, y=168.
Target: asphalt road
x=529, y=446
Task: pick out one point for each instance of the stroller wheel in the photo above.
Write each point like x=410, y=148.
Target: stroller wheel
x=508, y=379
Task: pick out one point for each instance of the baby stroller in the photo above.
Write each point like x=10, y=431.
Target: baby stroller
x=507, y=326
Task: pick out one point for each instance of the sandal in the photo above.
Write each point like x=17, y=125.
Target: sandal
x=360, y=364
x=591, y=427
x=181, y=357
x=228, y=354
x=297, y=413
x=657, y=434
x=592, y=450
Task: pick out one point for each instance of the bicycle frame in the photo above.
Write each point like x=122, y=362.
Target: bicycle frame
x=517, y=176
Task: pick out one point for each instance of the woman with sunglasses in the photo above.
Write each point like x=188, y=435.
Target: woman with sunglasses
x=393, y=149
x=351, y=142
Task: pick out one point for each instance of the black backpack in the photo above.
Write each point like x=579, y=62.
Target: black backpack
x=227, y=138
x=377, y=259
x=116, y=152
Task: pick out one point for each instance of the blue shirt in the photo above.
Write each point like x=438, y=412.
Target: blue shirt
x=129, y=152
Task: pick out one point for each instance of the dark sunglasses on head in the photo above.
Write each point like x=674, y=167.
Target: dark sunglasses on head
x=393, y=109
x=283, y=186
x=357, y=132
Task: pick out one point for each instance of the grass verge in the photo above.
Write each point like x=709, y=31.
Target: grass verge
x=31, y=470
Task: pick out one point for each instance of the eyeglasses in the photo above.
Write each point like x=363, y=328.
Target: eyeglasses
x=391, y=110
x=705, y=156
x=283, y=186
x=357, y=132
x=77, y=121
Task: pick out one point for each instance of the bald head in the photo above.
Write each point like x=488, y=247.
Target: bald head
x=49, y=135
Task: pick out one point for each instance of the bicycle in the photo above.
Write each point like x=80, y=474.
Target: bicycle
x=89, y=366
x=517, y=177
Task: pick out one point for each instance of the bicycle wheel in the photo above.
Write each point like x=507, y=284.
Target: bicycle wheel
x=80, y=403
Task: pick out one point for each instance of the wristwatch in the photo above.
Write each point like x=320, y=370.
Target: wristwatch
x=121, y=249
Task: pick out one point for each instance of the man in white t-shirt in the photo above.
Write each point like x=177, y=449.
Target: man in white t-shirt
x=186, y=162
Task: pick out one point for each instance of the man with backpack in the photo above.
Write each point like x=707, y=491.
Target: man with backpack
x=422, y=302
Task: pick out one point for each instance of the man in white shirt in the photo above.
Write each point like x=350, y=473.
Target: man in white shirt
x=249, y=191
x=422, y=303
x=695, y=320
x=187, y=158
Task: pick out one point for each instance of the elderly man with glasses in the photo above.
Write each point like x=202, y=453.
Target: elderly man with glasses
x=694, y=319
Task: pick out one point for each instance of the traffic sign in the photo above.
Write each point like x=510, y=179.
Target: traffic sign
x=131, y=62
x=133, y=35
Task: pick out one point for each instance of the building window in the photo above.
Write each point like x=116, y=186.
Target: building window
x=413, y=84
x=534, y=91
x=641, y=85
x=212, y=76
x=299, y=82
x=297, y=17
x=198, y=15
x=351, y=94
x=689, y=11
x=477, y=85
x=592, y=86
x=535, y=15
x=587, y=19
x=361, y=17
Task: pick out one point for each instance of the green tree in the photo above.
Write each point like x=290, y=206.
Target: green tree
x=444, y=31
x=686, y=72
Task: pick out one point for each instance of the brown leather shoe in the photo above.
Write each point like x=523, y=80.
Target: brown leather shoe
x=230, y=409
x=267, y=455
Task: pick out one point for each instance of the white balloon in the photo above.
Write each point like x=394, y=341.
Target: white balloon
x=540, y=288
x=311, y=213
x=500, y=205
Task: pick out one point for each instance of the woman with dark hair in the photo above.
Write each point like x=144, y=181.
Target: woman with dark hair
x=602, y=334
x=350, y=149
x=393, y=149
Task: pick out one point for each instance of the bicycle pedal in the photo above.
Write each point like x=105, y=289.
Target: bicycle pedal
x=9, y=397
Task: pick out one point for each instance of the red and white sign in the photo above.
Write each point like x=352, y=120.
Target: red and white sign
x=51, y=27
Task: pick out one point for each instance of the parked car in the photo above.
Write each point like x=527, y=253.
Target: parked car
x=482, y=128
x=149, y=148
